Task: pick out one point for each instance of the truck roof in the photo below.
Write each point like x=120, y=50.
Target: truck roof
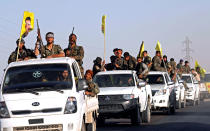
x=116, y=72
x=157, y=72
x=186, y=74
x=42, y=61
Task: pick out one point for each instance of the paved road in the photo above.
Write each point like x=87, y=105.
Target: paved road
x=188, y=119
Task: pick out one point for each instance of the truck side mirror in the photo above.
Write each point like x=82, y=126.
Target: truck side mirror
x=82, y=84
x=170, y=83
x=181, y=81
x=141, y=84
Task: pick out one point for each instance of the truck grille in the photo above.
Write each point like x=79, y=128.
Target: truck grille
x=110, y=97
x=24, y=112
x=114, y=107
x=55, y=127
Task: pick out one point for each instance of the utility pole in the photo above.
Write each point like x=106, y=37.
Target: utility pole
x=187, y=49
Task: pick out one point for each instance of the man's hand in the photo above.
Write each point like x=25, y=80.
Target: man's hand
x=26, y=58
x=50, y=56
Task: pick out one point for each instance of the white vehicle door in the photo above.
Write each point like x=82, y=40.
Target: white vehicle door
x=77, y=76
x=142, y=94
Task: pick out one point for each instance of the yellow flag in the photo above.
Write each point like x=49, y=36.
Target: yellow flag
x=141, y=50
x=103, y=24
x=158, y=48
x=27, y=23
x=202, y=70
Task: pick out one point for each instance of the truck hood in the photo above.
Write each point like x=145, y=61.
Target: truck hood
x=26, y=104
x=190, y=85
x=116, y=90
x=157, y=86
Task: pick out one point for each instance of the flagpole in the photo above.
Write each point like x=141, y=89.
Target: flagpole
x=18, y=51
x=104, y=47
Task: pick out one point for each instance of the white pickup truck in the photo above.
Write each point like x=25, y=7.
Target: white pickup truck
x=163, y=91
x=123, y=95
x=35, y=97
x=193, y=91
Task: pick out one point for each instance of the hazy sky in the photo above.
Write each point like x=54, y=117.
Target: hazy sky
x=128, y=23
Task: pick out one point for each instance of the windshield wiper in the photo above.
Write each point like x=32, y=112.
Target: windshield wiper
x=26, y=91
x=52, y=89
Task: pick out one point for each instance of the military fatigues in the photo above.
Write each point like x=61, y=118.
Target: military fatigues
x=78, y=53
x=56, y=49
x=92, y=87
x=130, y=64
x=147, y=60
x=186, y=69
x=119, y=62
x=156, y=64
x=142, y=69
x=22, y=55
x=96, y=68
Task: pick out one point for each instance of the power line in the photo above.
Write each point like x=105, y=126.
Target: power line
x=187, y=49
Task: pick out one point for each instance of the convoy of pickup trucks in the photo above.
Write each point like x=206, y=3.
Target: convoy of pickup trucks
x=32, y=97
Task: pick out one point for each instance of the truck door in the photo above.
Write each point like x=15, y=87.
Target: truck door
x=142, y=94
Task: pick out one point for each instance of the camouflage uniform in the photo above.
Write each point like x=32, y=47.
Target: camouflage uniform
x=22, y=55
x=142, y=69
x=156, y=64
x=147, y=60
x=92, y=87
x=119, y=62
x=56, y=49
x=78, y=53
x=130, y=64
x=186, y=69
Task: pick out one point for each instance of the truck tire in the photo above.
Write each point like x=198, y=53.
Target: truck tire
x=91, y=126
x=172, y=108
x=178, y=103
x=135, y=116
x=198, y=101
x=193, y=102
x=184, y=103
x=100, y=121
x=146, y=115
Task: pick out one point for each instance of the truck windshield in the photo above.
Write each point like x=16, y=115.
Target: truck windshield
x=114, y=80
x=187, y=79
x=155, y=79
x=37, y=78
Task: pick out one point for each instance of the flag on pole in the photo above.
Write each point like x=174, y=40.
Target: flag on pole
x=103, y=24
x=158, y=48
x=202, y=70
x=27, y=23
x=141, y=50
x=27, y=26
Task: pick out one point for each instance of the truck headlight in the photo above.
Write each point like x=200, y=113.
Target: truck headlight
x=161, y=92
x=4, y=113
x=71, y=105
x=128, y=96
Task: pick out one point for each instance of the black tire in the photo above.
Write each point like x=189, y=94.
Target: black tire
x=146, y=115
x=179, y=103
x=136, y=116
x=91, y=126
x=172, y=108
x=183, y=105
x=100, y=121
x=193, y=103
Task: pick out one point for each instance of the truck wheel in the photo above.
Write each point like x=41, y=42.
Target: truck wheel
x=178, y=103
x=91, y=126
x=135, y=116
x=100, y=121
x=184, y=103
x=193, y=102
x=146, y=115
x=198, y=101
x=172, y=108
